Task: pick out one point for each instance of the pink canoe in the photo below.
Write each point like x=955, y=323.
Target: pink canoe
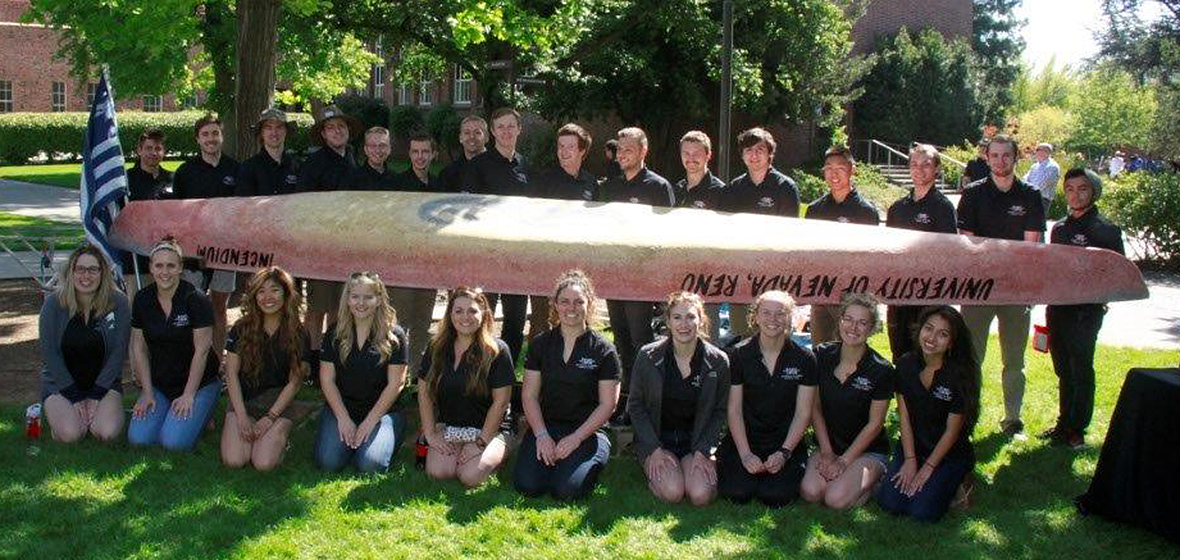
x=520, y=245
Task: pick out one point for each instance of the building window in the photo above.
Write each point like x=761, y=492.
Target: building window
x=153, y=103
x=5, y=97
x=379, y=70
x=426, y=92
x=462, y=95
x=405, y=94
x=90, y=94
x=57, y=100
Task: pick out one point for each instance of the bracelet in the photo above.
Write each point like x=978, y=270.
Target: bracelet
x=540, y=434
x=932, y=467
x=911, y=458
x=273, y=417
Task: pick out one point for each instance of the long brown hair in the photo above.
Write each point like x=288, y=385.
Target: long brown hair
x=101, y=302
x=384, y=318
x=697, y=304
x=252, y=334
x=577, y=278
x=479, y=355
x=959, y=359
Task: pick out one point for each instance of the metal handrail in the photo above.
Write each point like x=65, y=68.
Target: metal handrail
x=890, y=151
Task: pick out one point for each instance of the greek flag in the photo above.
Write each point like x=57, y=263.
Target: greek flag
x=104, y=180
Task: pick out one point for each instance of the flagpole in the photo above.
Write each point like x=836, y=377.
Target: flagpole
x=106, y=74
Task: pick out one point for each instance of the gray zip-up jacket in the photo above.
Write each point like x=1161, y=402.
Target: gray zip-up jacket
x=644, y=403
x=115, y=328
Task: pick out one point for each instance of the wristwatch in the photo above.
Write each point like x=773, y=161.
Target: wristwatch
x=786, y=451
x=480, y=442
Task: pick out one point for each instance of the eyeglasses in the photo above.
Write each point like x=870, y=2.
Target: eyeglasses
x=88, y=270
x=858, y=323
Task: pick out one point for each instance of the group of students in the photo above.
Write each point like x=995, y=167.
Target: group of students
x=706, y=421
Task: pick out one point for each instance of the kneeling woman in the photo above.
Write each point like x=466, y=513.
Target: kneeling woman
x=938, y=404
x=172, y=356
x=467, y=381
x=84, y=327
x=362, y=373
x=677, y=404
x=571, y=387
x=855, y=385
x=265, y=364
x=772, y=389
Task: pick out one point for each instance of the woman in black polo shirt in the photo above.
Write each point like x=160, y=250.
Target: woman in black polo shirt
x=571, y=387
x=772, y=390
x=467, y=379
x=362, y=373
x=677, y=404
x=265, y=364
x=938, y=404
x=172, y=356
x=855, y=385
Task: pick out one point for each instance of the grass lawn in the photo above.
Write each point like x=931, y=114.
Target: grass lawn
x=66, y=175
x=106, y=501
x=31, y=227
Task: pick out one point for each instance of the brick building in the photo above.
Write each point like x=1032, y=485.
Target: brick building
x=952, y=18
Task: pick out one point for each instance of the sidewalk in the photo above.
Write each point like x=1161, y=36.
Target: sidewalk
x=40, y=201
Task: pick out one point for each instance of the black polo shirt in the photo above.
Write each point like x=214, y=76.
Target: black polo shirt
x=492, y=173
x=143, y=186
x=456, y=406
x=776, y=195
x=646, y=187
x=170, y=339
x=977, y=170
x=408, y=181
x=929, y=408
x=556, y=183
x=853, y=210
x=275, y=364
x=988, y=212
x=261, y=175
x=83, y=350
x=363, y=377
x=450, y=179
x=1089, y=230
x=846, y=405
x=709, y=194
x=326, y=170
x=569, y=390
x=195, y=178
x=934, y=213
x=768, y=401
x=365, y=178
x=678, y=401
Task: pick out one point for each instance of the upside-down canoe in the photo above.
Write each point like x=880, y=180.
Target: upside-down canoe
x=631, y=251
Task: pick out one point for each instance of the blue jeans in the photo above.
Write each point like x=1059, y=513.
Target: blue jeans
x=571, y=478
x=373, y=455
x=932, y=501
x=161, y=426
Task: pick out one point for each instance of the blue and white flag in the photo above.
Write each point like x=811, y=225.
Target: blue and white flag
x=104, y=179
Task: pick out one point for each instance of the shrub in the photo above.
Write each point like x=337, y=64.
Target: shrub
x=538, y=146
x=405, y=120
x=870, y=183
x=1146, y=206
x=371, y=111
x=442, y=123
x=24, y=136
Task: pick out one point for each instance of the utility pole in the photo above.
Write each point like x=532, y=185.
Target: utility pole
x=723, y=133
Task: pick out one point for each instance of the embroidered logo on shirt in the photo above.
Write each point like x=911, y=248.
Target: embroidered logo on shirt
x=942, y=393
x=228, y=180
x=695, y=381
x=791, y=374
x=766, y=202
x=586, y=363
x=587, y=195
x=699, y=204
x=922, y=218
x=711, y=374
x=180, y=320
x=1016, y=210
x=1080, y=239
x=634, y=200
x=292, y=179
x=861, y=384
x=842, y=219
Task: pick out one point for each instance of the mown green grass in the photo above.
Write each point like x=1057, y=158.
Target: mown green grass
x=66, y=175
x=107, y=501
x=34, y=228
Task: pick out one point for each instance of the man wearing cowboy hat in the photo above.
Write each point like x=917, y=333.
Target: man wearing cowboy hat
x=330, y=168
x=272, y=170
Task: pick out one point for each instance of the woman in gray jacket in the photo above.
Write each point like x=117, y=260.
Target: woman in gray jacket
x=84, y=329
x=679, y=390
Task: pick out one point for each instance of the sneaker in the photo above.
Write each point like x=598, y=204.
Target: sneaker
x=1074, y=440
x=1051, y=434
x=1013, y=429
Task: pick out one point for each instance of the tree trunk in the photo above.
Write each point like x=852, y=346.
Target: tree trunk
x=254, y=81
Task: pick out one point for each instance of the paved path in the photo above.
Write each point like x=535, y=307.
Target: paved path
x=1150, y=323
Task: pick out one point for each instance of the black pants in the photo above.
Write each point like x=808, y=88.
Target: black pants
x=512, y=329
x=899, y=322
x=571, y=478
x=630, y=321
x=1073, y=333
x=736, y=484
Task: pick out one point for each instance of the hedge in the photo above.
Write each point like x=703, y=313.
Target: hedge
x=58, y=136
x=1146, y=206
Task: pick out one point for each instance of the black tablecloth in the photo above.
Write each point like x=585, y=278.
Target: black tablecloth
x=1138, y=476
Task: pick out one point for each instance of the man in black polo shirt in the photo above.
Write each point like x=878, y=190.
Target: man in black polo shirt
x=272, y=170
x=1073, y=329
x=568, y=181
x=841, y=204
x=473, y=137
x=329, y=168
x=762, y=189
x=1001, y=206
x=146, y=180
x=210, y=174
x=924, y=208
x=631, y=320
x=700, y=189
x=418, y=178
x=373, y=175
x=502, y=171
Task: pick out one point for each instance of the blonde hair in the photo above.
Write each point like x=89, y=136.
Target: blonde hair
x=698, y=137
x=101, y=302
x=694, y=301
x=867, y=301
x=634, y=133
x=772, y=295
x=167, y=243
x=384, y=318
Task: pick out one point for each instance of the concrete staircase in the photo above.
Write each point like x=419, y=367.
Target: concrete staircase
x=900, y=175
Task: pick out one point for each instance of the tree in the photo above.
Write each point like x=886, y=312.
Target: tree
x=1111, y=111
x=921, y=88
x=1051, y=86
x=998, y=46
